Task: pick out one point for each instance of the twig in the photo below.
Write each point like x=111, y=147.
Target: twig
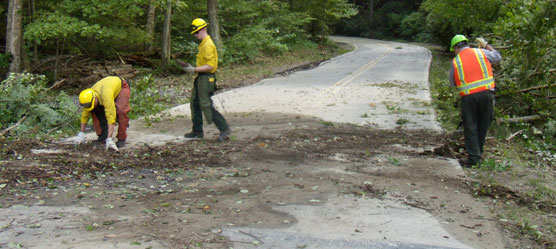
x=56, y=84
x=199, y=236
x=382, y=224
x=6, y=227
x=415, y=205
x=13, y=126
x=519, y=119
x=534, y=88
x=251, y=235
x=513, y=135
x=207, y=240
x=69, y=120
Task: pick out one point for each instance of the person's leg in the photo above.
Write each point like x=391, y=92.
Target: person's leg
x=100, y=123
x=196, y=113
x=485, y=116
x=219, y=120
x=471, y=134
x=122, y=110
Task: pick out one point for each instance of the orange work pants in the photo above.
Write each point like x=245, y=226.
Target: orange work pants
x=122, y=108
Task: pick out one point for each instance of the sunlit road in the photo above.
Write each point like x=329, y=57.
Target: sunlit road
x=380, y=84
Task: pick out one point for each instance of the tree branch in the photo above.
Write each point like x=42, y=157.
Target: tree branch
x=534, y=88
x=13, y=126
x=519, y=119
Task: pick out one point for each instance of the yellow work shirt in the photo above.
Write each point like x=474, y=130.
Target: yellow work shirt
x=106, y=90
x=207, y=54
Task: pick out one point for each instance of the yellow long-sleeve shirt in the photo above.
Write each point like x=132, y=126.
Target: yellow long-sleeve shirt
x=207, y=54
x=106, y=90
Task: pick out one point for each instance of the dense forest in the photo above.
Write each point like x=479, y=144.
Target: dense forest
x=62, y=40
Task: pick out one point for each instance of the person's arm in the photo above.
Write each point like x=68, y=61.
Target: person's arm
x=204, y=69
x=452, y=81
x=492, y=54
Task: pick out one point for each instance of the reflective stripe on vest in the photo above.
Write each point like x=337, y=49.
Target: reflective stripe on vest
x=473, y=72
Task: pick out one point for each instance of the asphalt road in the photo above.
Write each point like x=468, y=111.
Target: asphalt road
x=381, y=84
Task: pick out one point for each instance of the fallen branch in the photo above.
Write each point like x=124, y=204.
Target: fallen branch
x=519, y=119
x=13, y=126
x=513, y=135
x=534, y=88
x=68, y=121
x=56, y=84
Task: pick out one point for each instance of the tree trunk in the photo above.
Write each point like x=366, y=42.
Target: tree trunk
x=35, y=45
x=166, y=34
x=151, y=22
x=371, y=11
x=14, y=34
x=214, y=27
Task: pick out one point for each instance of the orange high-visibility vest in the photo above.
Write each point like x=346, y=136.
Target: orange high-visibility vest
x=472, y=72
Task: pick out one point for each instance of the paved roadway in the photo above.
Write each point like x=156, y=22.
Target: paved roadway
x=379, y=84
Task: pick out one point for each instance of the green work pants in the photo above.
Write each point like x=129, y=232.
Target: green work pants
x=477, y=111
x=203, y=89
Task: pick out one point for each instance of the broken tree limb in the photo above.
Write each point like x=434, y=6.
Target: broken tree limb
x=519, y=119
x=13, y=126
x=57, y=84
x=533, y=88
x=513, y=135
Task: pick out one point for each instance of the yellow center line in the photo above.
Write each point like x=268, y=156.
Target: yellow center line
x=336, y=87
x=362, y=69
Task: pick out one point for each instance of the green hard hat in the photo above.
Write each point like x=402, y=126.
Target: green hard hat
x=457, y=39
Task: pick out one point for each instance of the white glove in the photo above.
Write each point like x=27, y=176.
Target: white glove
x=111, y=145
x=482, y=43
x=188, y=68
x=80, y=137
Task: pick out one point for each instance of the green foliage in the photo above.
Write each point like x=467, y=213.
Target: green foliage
x=24, y=97
x=491, y=164
x=529, y=28
x=147, y=98
x=254, y=27
x=411, y=28
x=388, y=21
x=446, y=18
x=87, y=26
x=5, y=59
x=324, y=13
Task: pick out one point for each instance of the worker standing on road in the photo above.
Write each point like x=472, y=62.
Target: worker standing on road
x=108, y=102
x=471, y=74
x=204, y=85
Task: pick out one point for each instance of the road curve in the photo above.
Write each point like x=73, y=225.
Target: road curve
x=380, y=84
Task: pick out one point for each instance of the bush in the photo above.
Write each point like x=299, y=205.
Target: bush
x=250, y=42
x=5, y=63
x=147, y=98
x=412, y=28
x=24, y=98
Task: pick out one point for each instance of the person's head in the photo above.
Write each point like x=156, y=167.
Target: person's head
x=87, y=99
x=199, y=28
x=458, y=42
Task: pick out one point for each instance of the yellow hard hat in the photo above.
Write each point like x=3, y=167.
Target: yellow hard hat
x=87, y=99
x=197, y=25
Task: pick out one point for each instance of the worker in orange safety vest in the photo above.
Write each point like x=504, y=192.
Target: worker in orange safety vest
x=471, y=74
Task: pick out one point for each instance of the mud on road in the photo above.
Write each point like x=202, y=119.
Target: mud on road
x=185, y=193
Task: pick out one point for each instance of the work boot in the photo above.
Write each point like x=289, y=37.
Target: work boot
x=224, y=135
x=120, y=143
x=194, y=135
x=466, y=163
